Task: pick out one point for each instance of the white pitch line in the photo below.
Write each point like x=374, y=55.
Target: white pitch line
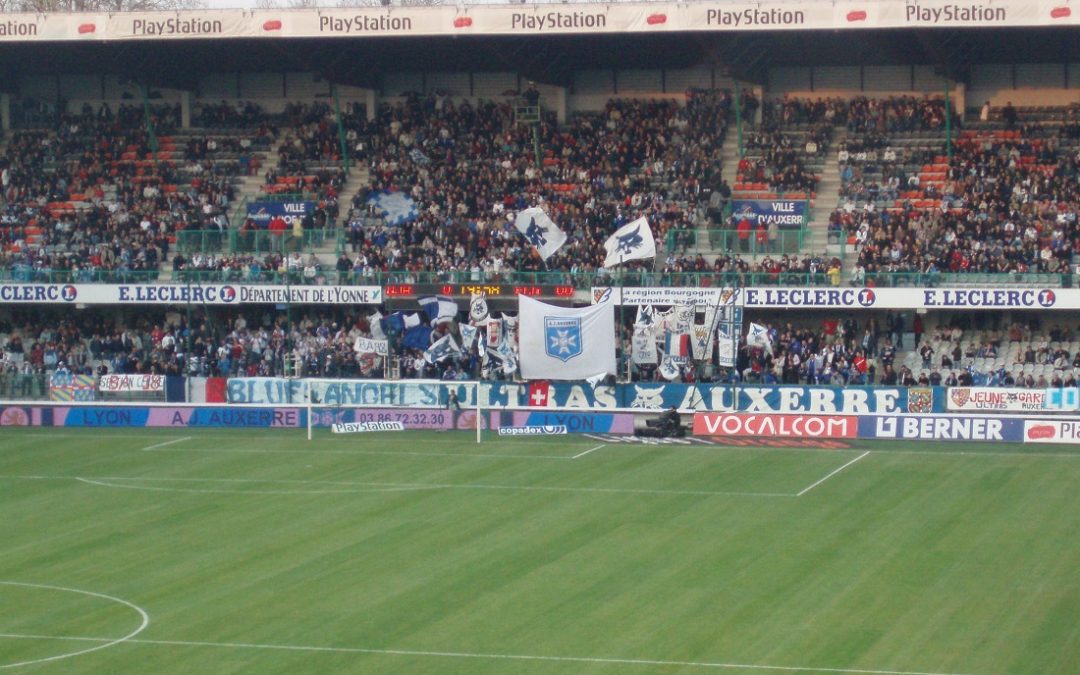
x=107, y=642
x=713, y=665
x=831, y=474
x=470, y=455
x=162, y=445
x=420, y=486
x=582, y=454
x=248, y=492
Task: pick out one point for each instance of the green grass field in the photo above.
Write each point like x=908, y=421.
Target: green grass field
x=258, y=552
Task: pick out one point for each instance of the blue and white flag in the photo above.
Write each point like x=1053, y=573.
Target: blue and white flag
x=478, y=309
x=417, y=155
x=540, y=230
x=399, y=322
x=438, y=309
x=396, y=208
x=468, y=335
x=633, y=241
x=441, y=349
x=758, y=336
x=564, y=343
x=375, y=323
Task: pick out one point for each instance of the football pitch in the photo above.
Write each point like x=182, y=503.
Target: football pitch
x=206, y=551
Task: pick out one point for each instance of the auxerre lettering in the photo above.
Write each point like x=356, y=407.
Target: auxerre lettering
x=18, y=28
x=553, y=20
x=755, y=17
x=364, y=23
x=955, y=13
x=176, y=26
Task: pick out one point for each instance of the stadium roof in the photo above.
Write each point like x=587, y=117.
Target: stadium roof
x=549, y=57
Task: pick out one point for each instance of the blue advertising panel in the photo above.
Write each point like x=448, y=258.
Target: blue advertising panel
x=788, y=214
x=942, y=428
x=263, y=212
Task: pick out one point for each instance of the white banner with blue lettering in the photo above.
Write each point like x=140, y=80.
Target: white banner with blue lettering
x=828, y=297
x=181, y=294
x=581, y=395
x=564, y=343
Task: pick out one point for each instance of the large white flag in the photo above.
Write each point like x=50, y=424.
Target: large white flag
x=563, y=343
x=541, y=231
x=727, y=341
x=630, y=242
x=701, y=334
x=643, y=345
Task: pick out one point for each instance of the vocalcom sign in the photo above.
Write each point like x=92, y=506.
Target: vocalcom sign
x=775, y=426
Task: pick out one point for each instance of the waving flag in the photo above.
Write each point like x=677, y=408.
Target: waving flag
x=540, y=230
x=677, y=346
x=759, y=337
x=399, y=322
x=396, y=208
x=643, y=346
x=563, y=343
x=630, y=242
x=438, y=309
x=478, y=309
x=443, y=348
x=468, y=335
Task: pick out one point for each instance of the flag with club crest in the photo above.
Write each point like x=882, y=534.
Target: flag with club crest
x=565, y=343
x=702, y=334
x=468, y=335
x=633, y=241
x=540, y=230
x=478, y=309
x=668, y=369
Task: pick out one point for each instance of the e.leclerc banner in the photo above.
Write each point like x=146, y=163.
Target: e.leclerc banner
x=180, y=294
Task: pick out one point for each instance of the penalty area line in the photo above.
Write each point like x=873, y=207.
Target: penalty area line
x=704, y=665
x=582, y=454
x=830, y=475
x=162, y=445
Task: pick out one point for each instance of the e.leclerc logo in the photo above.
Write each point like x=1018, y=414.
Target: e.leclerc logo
x=1047, y=297
x=68, y=293
x=867, y=297
x=228, y=294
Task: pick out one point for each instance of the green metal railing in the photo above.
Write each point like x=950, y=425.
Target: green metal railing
x=257, y=274
x=932, y=279
x=51, y=276
x=257, y=241
x=728, y=241
x=24, y=386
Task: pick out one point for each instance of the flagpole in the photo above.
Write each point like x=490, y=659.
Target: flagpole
x=622, y=314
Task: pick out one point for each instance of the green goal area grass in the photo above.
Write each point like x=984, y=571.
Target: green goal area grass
x=207, y=551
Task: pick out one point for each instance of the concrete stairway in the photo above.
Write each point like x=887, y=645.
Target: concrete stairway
x=828, y=196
